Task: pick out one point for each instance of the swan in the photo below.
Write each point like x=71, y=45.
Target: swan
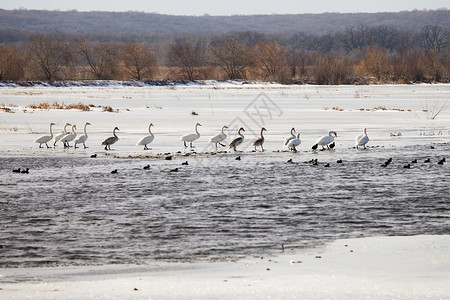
x=218, y=139
x=237, y=141
x=362, y=139
x=60, y=135
x=325, y=140
x=259, y=141
x=191, y=137
x=45, y=138
x=111, y=140
x=291, y=137
x=146, y=139
x=69, y=137
x=82, y=138
x=294, y=143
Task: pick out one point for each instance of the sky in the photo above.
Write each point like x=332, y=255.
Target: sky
x=228, y=7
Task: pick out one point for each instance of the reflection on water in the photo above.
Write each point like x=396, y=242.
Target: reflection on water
x=72, y=210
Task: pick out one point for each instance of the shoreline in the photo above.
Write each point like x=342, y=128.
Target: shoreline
x=413, y=267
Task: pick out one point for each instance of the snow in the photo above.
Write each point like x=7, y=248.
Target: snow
x=415, y=267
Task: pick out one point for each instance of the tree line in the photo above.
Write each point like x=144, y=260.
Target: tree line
x=361, y=54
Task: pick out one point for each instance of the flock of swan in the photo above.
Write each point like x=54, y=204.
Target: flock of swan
x=292, y=142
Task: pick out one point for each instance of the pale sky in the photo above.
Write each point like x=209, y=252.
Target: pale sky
x=228, y=7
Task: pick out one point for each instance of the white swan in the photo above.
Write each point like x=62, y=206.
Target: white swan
x=291, y=137
x=362, y=139
x=82, y=138
x=325, y=140
x=294, y=143
x=60, y=135
x=146, y=139
x=69, y=137
x=259, y=141
x=191, y=137
x=237, y=141
x=218, y=139
x=111, y=140
x=45, y=138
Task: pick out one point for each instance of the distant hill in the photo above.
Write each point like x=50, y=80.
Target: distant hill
x=41, y=21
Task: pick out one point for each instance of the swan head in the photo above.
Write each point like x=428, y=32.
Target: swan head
x=225, y=126
x=151, y=124
x=74, y=126
x=198, y=124
x=67, y=124
x=87, y=123
x=332, y=133
x=116, y=128
x=241, y=129
x=298, y=135
x=51, y=124
x=292, y=130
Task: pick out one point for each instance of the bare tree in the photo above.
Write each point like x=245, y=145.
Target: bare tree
x=188, y=57
x=232, y=57
x=47, y=56
x=139, y=60
x=102, y=58
x=376, y=62
x=330, y=68
x=433, y=37
x=270, y=58
x=11, y=64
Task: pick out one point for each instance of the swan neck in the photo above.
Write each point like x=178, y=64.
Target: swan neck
x=85, y=125
x=196, y=129
x=114, y=132
x=51, y=132
x=150, y=129
x=262, y=130
x=239, y=132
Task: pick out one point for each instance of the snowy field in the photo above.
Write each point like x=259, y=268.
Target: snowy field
x=215, y=228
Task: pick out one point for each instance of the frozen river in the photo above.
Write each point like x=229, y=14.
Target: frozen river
x=70, y=209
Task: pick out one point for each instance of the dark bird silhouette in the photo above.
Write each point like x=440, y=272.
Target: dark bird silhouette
x=238, y=158
x=185, y=163
x=94, y=155
x=427, y=160
x=16, y=170
x=289, y=160
x=408, y=166
x=414, y=161
x=147, y=167
x=332, y=145
x=174, y=170
x=315, y=147
x=431, y=147
x=25, y=171
x=114, y=171
x=442, y=161
x=339, y=161
x=327, y=165
x=168, y=157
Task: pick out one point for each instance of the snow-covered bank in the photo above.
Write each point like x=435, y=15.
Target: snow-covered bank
x=414, y=267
